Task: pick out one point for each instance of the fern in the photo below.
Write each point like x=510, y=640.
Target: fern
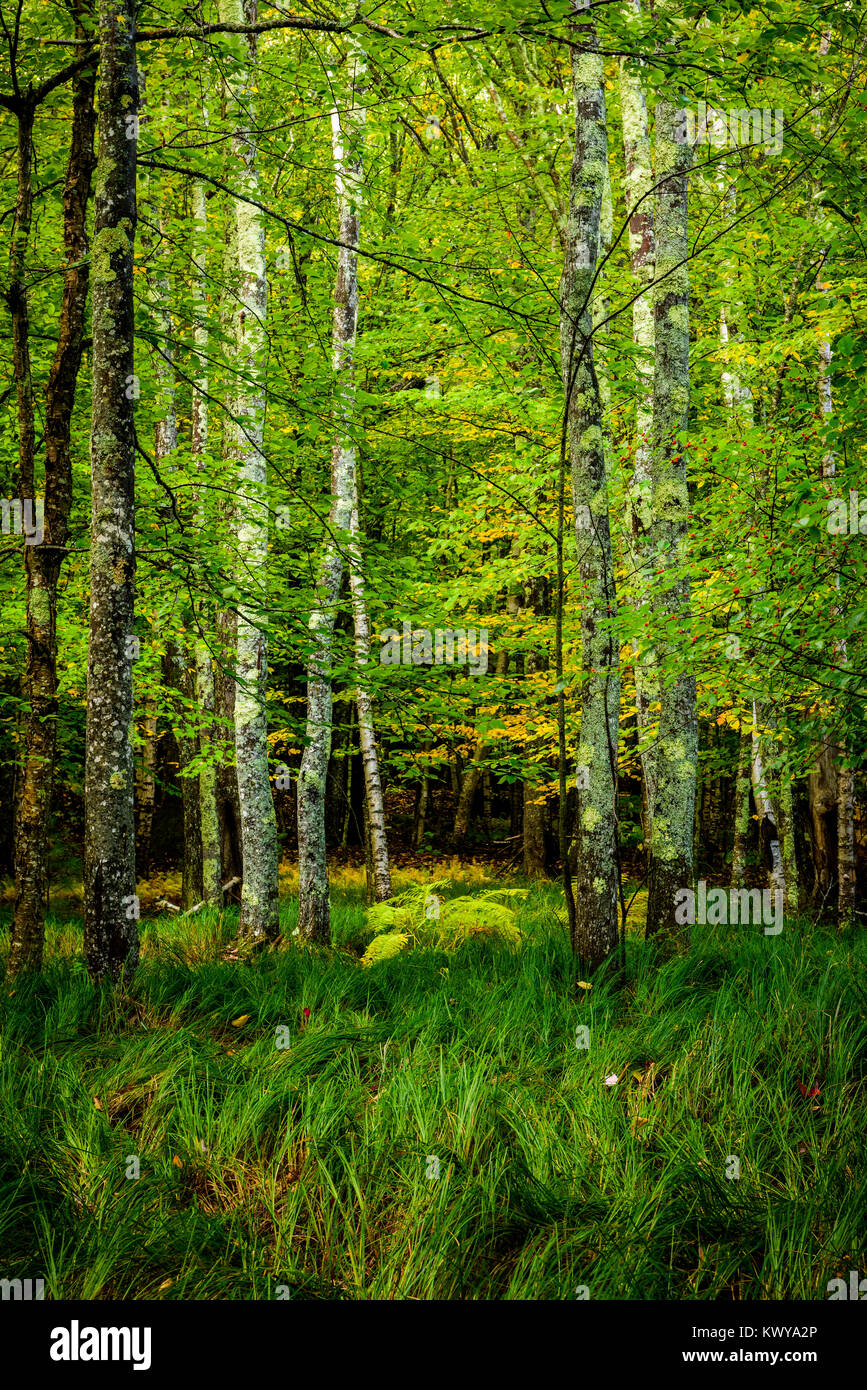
x=410, y=919
x=384, y=947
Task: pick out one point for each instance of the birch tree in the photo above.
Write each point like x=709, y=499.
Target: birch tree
x=364, y=705
x=209, y=819
x=671, y=846
x=347, y=130
x=110, y=905
x=638, y=191
x=596, y=860
x=259, y=848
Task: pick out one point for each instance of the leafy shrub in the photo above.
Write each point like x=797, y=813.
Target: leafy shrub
x=422, y=917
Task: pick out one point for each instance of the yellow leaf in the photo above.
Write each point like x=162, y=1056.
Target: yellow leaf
x=97, y=1102
x=166, y=1284
x=582, y=984
x=177, y=1162
x=239, y=1022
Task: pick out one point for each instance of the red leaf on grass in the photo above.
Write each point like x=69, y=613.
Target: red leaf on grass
x=813, y=1091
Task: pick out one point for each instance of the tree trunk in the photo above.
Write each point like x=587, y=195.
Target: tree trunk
x=822, y=786
x=671, y=846
x=314, y=918
x=742, y=808
x=209, y=819
x=43, y=561
x=421, y=813
x=596, y=921
x=110, y=907
x=364, y=703
x=768, y=818
x=532, y=800
x=228, y=808
x=470, y=783
x=846, y=846
x=145, y=788
x=259, y=849
x=638, y=186
x=182, y=679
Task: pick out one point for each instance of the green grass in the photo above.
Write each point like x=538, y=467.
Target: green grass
x=306, y=1167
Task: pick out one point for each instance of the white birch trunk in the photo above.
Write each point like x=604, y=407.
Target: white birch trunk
x=638, y=183
x=347, y=140
x=596, y=921
x=259, y=847
x=364, y=704
x=671, y=852
x=212, y=890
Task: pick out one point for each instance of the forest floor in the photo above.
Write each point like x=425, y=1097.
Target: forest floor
x=429, y=1127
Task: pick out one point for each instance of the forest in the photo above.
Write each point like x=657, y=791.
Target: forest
x=433, y=805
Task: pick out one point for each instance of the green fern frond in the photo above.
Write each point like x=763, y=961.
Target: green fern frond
x=384, y=947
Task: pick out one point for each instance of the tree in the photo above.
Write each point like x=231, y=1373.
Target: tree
x=110, y=905
x=347, y=140
x=596, y=862
x=259, y=893
x=44, y=560
x=671, y=851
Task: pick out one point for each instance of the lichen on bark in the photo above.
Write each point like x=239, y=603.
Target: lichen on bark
x=110, y=907
x=596, y=926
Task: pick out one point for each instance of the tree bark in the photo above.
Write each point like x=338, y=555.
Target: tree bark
x=364, y=703
x=742, y=809
x=110, y=907
x=182, y=679
x=671, y=846
x=533, y=804
x=638, y=186
x=209, y=819
x=596, y=922
x=314, y=916
x=768, y=817
x=145, y=788
x=259, y=848
x=43, y=562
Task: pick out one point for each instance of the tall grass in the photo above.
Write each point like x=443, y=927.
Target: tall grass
x=307, y=1170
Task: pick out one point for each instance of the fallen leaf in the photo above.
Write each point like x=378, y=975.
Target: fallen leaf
x=97, y=1102
x=813, y=1091
x=166, y=1284
x=177, y=1162
x=582, y=984
x=239, y=1022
